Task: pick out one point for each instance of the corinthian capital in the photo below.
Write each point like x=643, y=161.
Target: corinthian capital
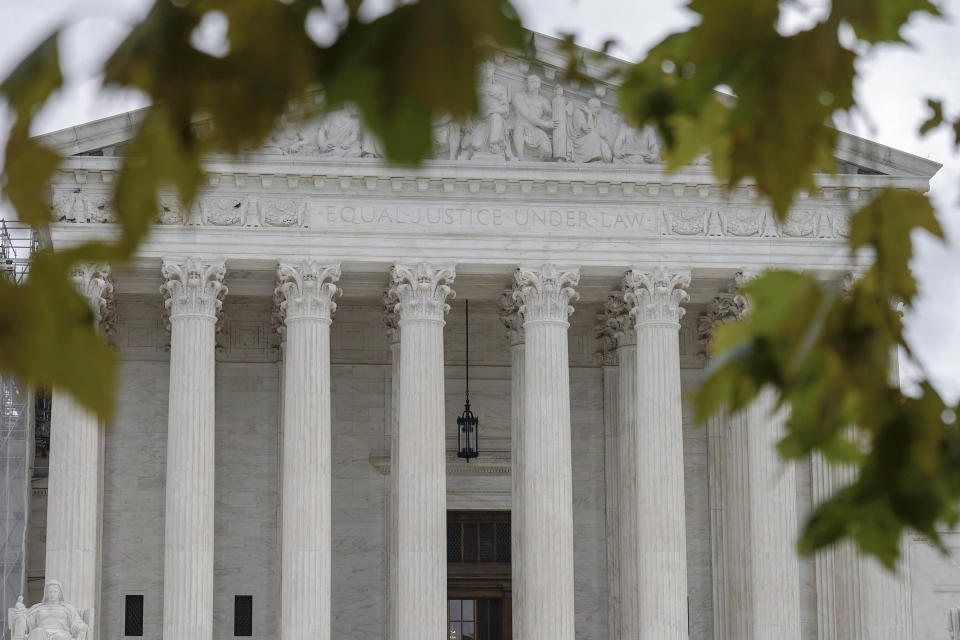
x=545, y=293
x=616, y=321
x=422, y=290
x=306, y=290
x=93, y=283
x=655, y=296
x=727, y=306
x=511, y=318
x=194, y=286
x=391, y=318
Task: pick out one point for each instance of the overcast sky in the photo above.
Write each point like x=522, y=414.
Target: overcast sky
x=895, y=82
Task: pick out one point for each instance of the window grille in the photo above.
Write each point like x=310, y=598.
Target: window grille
x=478, y=537
x=133, y=616
x=243, y=615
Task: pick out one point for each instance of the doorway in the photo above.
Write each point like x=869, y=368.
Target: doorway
x=478, y=575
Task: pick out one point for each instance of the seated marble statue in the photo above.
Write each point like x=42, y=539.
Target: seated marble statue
x=50, y=619
x=339, y=134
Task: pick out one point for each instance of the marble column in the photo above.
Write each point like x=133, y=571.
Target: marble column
x=617, y=333
x=653, y=579
x=194, y=288
x=886, y=594
x=760, y=505
x=775, y=570
x=546, y=605
x=392, y=321
x=74, y=503
x=837, y=568
x=510, y=315
x=421, y=606
x=306, y=291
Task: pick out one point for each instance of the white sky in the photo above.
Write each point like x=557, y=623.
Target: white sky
x=895, y=82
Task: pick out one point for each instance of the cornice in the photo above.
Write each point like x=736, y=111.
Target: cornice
x=281, y=175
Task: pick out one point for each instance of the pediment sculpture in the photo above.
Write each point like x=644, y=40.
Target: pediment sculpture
x=518, y=120
x=50, y=619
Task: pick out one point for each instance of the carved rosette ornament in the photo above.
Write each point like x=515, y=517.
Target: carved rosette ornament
x=194, y=286
x=545, y=293
x=93, y=282
x=422, y=290
x=655, y=296
x=511, y=318
x=305, y=290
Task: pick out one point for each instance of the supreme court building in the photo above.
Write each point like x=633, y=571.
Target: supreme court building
x=283, y=461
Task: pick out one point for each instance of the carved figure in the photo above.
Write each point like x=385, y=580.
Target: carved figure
x=339, y=134
x=486, y=135
x=446, y=137
x=633, y=146
x=50, y=619
x=530, y=139
x=370, y=146
x=586, y=143
x=559, y=106
x=287, y=139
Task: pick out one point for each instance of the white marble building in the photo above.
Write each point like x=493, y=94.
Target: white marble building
x=303, y=483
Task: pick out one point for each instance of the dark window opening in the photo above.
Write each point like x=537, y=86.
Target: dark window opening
x=133, y=616
x=478, y=537
x=243, y=615
x=474, y=619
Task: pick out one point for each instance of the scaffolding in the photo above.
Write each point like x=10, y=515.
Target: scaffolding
x=17, y=243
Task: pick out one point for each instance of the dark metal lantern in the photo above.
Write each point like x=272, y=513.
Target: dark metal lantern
x=467, y=423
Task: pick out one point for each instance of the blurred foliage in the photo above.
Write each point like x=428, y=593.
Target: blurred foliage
x=825, y=350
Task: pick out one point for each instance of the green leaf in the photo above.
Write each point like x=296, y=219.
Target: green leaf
x=28, y=165
x=400, y=85
x=48, y=339
x=885, y=225
x=936, y=119
x=157, y=156
x=801, y=79
x=880, y=20
x=28, y=170
x=32, y=81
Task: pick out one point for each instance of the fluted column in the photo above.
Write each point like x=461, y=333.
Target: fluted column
x=305, y=291
x=653, y=587
x=736, y=530
x=392, y=321
x=546, y=605
x=760, y=505
x=74, y=502
x=729, y=491
x=421, y=610
x=193, y=288
x=620, y=325
x=837, y=568
x=775, y=568
x=510, y=315
x=607, y=336
x=886, y=594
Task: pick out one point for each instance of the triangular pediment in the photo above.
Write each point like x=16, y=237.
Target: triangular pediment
x=527, y=115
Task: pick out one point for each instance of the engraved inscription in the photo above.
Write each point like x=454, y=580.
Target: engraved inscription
x=532, y=218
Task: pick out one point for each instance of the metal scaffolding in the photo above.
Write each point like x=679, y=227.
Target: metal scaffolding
x=17, y=243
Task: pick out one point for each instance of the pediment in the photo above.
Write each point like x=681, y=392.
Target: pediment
x=527, y=115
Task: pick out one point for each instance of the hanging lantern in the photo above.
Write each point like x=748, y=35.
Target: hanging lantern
x=467, y=422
